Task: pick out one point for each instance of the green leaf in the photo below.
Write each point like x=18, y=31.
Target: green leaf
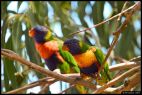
x=124, y=48
x=97, y=15
x=3, y=33
x=13, y=12
x=81, y=12
x=6, y=79
x=11, y=70
x=9, y=67
x=19, y=4
x=37, y=13
x=4, y=5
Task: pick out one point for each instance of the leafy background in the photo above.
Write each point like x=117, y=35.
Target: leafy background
x=63, y=18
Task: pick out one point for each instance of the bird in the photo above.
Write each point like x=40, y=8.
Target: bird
x=89, y=60
x=49, y=48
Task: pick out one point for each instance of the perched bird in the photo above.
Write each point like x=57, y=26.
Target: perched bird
x=89, y=59
x=50, y=49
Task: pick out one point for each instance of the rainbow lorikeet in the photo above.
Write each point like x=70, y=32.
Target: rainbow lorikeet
x=50, y=49
x=89, y=59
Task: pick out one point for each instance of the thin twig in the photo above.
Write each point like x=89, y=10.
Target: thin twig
x=128, y=17
x=46, y=80
x=131, y=82
x=138, y=4
x=119, y=17
x=33, y=84
x=119, y=30
x=44, y=89
x=122, y=10
x=138, y=58
x=44, y=71
x=118, y=79
x=119, y=72
x=66, y=89
x=12, y=56
x=123, y=66
x=120, y=59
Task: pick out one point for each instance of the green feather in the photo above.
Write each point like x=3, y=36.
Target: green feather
x=69, y=59
x=69, y=64
x=84, y=47
x=99, y=55
x=64, y=67
x=100, y=58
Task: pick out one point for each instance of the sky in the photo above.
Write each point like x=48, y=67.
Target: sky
x=107, y=12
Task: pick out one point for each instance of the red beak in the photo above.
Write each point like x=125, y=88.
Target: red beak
x=32, y=32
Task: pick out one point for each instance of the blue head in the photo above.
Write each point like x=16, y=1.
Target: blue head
x=73, y=46
x=40, y=33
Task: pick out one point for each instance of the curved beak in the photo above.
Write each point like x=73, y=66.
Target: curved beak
x=32, y=32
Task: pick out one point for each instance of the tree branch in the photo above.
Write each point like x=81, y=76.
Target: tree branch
x=131, y=82
x=66, y=89
x=11, y=55
x=126, y=2
x=33, y=84
x=122, y=66
x=118, y=79
x=43, y=81
x=138, y=58
x=44, y=89
x=135, y=7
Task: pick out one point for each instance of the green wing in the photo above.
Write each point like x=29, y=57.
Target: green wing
x=69, y=64
x=64, y=67
x=105, y=72
x=70, y=60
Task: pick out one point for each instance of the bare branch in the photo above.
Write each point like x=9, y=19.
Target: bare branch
x=118, y=79
x=44, y=89
x=117, y=58
x=119, y=30
x=44, y=71
x=135, y=7
x=131, y=82
x=33, y=84
x=73, y=77
x=138, y=58
x=122, y=66
x=122, y=11
x=66, y=89
x=47, y=81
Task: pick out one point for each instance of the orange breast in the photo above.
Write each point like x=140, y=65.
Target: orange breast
x=86, y=59
x=47, y=49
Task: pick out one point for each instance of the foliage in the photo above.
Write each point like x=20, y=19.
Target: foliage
x=61, y=16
